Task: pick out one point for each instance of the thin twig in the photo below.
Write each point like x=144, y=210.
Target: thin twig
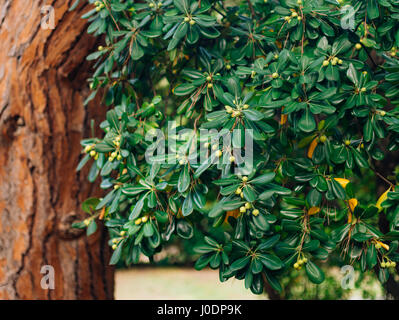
x=251, y=8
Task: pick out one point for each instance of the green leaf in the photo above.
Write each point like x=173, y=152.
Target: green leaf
x=117, y=253
x=240, y=263
x=203, y=261
x=270, y=261
x=256, y=266
x=266, y=178
x=253, y=115
x=184, y=179
x=181, y=31
x=203, y=167
x=372, y=9
x=337, y=189
x=90, y=204
x=184, y=229
x=248, y=278
x=360, y=161
x=161, y=216
x=314, y=198
x=307, y=122
x=273, y=282
x=371, y=256
x=74, y=5
x=133, y=190
x=187, y=207
x=91, y=228
x=269, y=243
x=315, y=274
x=104, y=147
x=383, y=275
x=138, y=207
x=136, y=51
x=184, y=89
x=340, y=233
x=249, y=193
x=148, y=229
x=368, y=131
x=261, y=222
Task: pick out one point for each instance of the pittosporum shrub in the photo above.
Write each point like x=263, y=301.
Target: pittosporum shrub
x=256, y=118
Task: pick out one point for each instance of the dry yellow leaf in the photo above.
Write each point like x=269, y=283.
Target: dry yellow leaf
x=343, y=182
x=382, y=198
x=312, y=147
x=233, y=213
x=352, y=204
x=313, y=210
x=384, y=245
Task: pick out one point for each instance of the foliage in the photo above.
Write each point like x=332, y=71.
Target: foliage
x=319, y=98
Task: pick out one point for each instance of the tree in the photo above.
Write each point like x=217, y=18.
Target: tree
x=302, y=98
x=42, y=119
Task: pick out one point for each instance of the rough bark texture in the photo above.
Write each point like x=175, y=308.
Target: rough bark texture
x=42, y=119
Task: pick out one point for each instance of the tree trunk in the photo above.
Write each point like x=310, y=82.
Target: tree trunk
x=42, y=119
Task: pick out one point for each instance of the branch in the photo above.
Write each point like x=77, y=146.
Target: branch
x=251, y=8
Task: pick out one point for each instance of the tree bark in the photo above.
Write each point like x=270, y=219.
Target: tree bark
x=42, y=120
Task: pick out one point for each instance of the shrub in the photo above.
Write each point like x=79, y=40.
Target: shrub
x=312, y=85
